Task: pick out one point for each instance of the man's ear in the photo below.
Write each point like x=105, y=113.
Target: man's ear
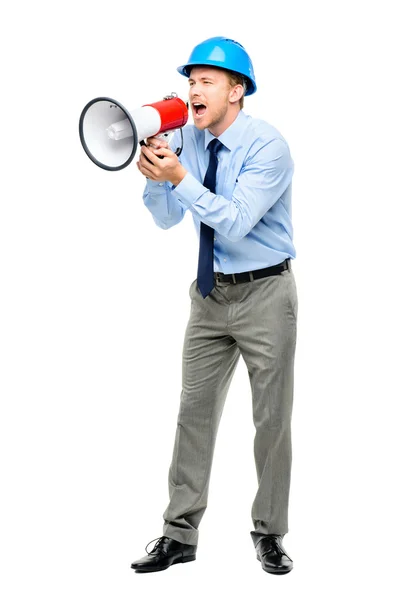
x=236, y=93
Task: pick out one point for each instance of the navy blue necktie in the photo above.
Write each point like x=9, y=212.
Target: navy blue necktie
x=205, y=272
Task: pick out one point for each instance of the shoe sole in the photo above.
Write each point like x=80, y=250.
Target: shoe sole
x=280, y=572
x=184, y=559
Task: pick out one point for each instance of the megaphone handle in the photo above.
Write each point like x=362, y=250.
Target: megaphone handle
x=142, y=143
x=178, y=151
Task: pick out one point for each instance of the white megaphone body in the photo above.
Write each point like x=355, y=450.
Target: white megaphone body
x=110, y=134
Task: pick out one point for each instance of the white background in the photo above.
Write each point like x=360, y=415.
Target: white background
x=94, y=305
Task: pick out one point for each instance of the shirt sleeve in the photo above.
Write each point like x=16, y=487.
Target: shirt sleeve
x=265, y=175
x=166, y=209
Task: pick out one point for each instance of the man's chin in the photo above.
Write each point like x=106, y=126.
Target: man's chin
x=201, y=125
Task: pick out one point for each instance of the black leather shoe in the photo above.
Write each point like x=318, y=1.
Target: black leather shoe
x=272, y=555
x=166, y=552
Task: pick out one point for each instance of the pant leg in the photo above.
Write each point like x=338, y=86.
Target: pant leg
x=265, y=330
x=209, y=360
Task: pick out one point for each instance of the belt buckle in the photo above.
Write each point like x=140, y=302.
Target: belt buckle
x=233, y=277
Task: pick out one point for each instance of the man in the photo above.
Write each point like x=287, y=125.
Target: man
x=234, y=175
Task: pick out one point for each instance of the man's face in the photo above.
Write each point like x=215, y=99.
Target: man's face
x=208, y=95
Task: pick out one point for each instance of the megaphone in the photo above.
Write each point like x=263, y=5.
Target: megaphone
x=110, y=134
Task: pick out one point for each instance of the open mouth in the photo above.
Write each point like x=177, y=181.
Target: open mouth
x=199, y=109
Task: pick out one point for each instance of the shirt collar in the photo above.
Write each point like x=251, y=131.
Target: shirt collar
x=229, y=137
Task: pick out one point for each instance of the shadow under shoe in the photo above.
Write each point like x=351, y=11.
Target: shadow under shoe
x=273, y=556
x=166, y=552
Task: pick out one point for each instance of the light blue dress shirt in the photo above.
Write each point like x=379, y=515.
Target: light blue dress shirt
x=251, y=211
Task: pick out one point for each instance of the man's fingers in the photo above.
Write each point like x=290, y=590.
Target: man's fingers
x=145, y=168
x=164, y=152
x=155, y=142
x=145, y=171
x=149, y=153
x=156, y=164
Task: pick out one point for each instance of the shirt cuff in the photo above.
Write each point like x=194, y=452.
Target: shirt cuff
x=154, y=185
x=189, y=190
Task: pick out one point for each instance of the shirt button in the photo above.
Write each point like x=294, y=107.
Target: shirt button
x=215, y=239
x=224, y=259
x=160, y=184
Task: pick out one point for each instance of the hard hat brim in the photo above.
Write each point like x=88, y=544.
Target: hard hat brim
x=184, y=70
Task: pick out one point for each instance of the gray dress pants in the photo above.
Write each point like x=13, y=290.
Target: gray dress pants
x=257, y=320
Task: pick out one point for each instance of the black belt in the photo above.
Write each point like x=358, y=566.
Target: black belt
x=250, y=275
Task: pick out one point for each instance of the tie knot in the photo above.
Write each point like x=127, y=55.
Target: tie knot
x=214, y=146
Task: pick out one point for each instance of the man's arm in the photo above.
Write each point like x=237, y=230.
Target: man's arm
x=264, y=177
x=165, y=208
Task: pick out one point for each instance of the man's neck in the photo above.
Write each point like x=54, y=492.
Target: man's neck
x=227, y=122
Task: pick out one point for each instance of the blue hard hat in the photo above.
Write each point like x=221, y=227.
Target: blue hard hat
x=224, y=53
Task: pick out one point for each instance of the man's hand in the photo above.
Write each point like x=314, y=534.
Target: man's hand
x=155, y=142
x=163, y=169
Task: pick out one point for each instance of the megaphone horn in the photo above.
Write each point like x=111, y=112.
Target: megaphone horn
x=109, y=133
